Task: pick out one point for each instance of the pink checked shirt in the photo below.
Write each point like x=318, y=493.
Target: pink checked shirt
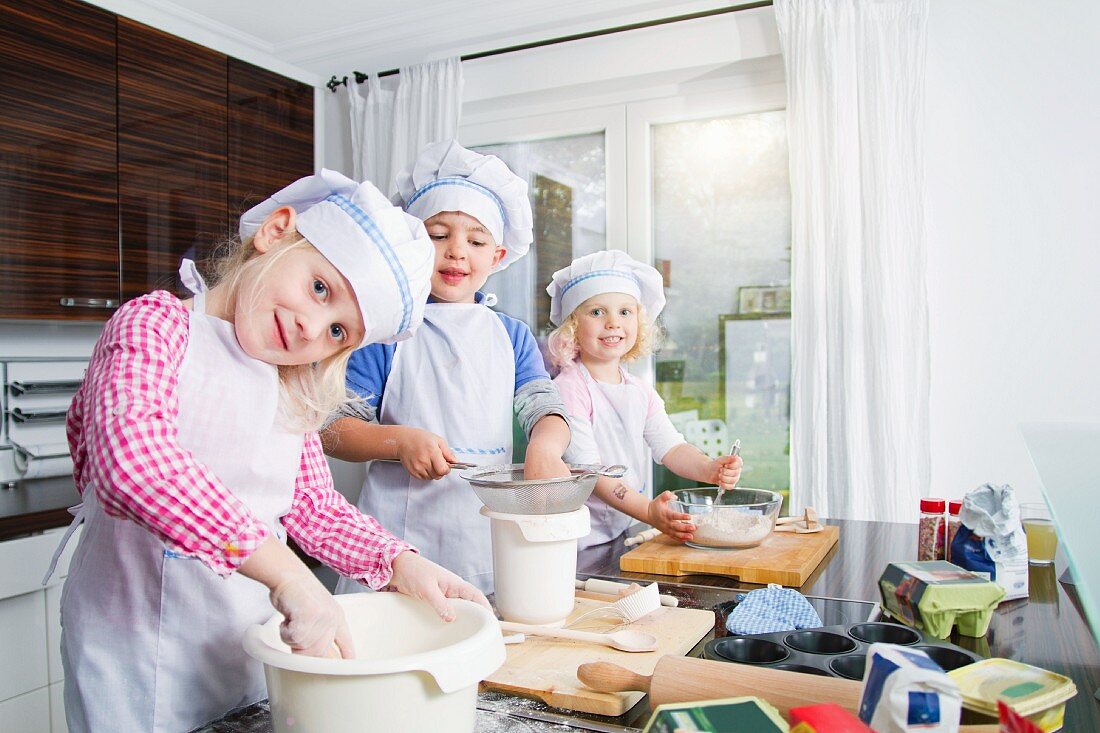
x=122, y=434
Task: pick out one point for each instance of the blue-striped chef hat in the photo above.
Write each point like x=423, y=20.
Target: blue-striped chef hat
x=610, y=271
x=448, y=177
x=384, y=253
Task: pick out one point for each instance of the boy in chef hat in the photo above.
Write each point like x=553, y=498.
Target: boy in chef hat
x=448, y=393
x=195, y=449
x=605, y=306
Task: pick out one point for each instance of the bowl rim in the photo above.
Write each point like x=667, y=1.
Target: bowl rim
x=776, y=497
x=453, y=666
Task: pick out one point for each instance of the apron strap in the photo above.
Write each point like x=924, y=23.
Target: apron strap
x=192, y=280
x=79, y=512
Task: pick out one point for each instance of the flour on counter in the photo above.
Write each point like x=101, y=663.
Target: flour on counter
x=499, y=721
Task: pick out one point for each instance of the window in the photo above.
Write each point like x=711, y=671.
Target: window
x=721, y=237
x=707, y=202
x=568, y=186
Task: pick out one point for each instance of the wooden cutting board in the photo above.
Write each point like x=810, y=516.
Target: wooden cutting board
x=784, y=557
x=546, y=669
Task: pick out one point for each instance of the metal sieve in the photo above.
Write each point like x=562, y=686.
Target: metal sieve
x=503, y=489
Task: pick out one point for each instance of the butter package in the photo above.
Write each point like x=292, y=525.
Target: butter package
x=1032, y=692
x=936, y=595
x=825, y=718
x=730, y=715
x=904, y=690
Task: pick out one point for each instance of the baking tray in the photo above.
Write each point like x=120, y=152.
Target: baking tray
x=834, y=651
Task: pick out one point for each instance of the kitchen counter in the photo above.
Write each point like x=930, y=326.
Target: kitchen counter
x=36, y=505
x=1048, y=630
x=501, y=713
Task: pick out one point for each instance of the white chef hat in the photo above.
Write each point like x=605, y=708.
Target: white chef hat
x=384, y=253
x=611, y=271
x=448, y=177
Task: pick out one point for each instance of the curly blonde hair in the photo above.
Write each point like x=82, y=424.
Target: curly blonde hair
x=310, y=392
x=564, y=348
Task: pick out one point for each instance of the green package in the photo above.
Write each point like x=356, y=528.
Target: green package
x=936, y=595
x=731, y=715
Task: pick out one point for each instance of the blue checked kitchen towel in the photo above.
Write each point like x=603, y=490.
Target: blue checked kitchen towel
x=774, y=608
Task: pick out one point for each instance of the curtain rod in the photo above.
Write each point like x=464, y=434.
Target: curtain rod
x=360, y=77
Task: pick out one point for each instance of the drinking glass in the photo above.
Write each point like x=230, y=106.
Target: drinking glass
x=1042, y=540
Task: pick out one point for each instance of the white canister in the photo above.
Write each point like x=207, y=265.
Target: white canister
x=413, y=672
x=535, y=564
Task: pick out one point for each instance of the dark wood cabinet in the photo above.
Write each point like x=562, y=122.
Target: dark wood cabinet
x=124, y=149
x=58, y=167
x=172, y=127
x=270, y=134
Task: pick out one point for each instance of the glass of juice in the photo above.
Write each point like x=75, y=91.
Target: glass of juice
x=1042, y=541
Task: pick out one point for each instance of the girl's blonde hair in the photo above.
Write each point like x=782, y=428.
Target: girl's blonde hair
x=310, y=392
x=564, y=348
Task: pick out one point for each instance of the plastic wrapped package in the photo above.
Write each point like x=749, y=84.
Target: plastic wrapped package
x=904, y=690
x=990, y=539
x=825, y=718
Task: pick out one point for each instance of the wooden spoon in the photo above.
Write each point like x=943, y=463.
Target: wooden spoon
x=626, y=640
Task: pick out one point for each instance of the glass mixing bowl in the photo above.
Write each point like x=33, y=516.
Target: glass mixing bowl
x=743, y=518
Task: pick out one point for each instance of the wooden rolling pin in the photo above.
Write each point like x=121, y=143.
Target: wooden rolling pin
x=684, y=679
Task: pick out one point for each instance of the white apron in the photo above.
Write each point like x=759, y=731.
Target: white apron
x=455, y=378
x=618, y=426
x=151, y=640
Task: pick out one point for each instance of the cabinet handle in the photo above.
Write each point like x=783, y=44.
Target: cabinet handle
x=89, y=303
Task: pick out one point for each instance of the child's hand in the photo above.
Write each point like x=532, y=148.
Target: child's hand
x=725, y=472
x=424, y=455
x=540, y=464
x=313, y=620
x=676, y=525
x=420, y=578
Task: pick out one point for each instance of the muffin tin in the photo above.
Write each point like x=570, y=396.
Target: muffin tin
x=833, y=651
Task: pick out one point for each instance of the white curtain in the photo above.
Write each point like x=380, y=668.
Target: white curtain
x=392, y=118
x=859, y=388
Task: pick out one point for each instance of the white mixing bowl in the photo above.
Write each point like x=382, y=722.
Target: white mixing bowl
x=413, y=672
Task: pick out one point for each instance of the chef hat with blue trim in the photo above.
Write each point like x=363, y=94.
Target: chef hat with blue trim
x=612, y=271
x=384, y=253
x=448, y=177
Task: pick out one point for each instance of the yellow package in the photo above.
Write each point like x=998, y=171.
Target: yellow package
x=1037, y=694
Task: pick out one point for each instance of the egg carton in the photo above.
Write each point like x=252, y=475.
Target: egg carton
x=834, y=651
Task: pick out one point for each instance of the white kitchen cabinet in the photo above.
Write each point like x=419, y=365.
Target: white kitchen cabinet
x=23, y=644
x=57, y=708
x=53, y=633
x=29, y=713
x=31, y=676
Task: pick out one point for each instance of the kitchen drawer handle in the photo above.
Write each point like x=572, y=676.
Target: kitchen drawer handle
x=19, y=388
x=89, y=303
x=39, y=416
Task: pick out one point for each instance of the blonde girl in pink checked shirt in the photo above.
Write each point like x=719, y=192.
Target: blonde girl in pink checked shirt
x=195, y=451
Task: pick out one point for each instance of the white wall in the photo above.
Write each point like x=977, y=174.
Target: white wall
x=1013, y=216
